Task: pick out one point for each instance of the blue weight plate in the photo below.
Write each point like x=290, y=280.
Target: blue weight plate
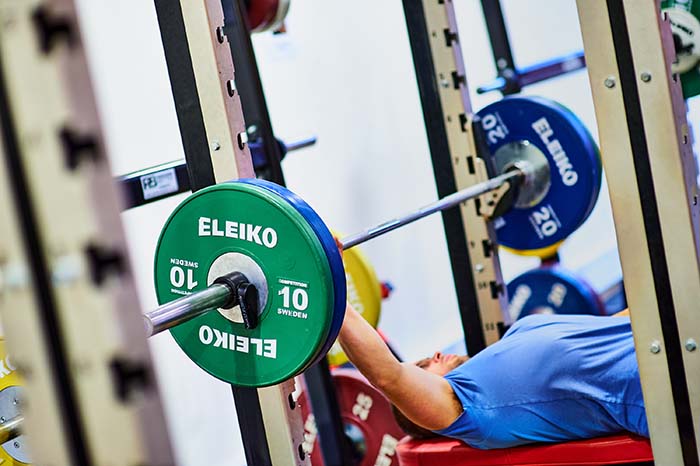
x=574, y=165
x=551, y=290
x=330, y=247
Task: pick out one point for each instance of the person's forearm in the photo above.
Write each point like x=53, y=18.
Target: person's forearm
x=367, y=351
x=425, y=398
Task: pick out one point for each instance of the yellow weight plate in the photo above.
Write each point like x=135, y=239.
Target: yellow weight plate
x=13, y=452
x=544, y=253
x=364, y=294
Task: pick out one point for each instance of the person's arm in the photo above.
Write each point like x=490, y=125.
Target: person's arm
x=625, y=313
x=425, y=398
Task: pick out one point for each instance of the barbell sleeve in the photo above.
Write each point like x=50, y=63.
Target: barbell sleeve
x=11, y=428
x=186, y=308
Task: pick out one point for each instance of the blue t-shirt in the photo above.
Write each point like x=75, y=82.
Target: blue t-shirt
x=551, y=378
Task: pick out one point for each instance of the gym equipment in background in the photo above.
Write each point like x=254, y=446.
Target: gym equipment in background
x=551, y=290
x=683, y=16
x=13, y=445
x=266, y=15
x=367, y=420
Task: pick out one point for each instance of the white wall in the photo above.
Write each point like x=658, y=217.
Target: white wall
x=343, y=72
x=347, y=76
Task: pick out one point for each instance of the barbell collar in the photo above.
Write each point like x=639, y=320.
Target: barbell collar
x=233, y=280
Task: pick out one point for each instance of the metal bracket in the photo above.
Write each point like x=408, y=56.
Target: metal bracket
x=490, y=205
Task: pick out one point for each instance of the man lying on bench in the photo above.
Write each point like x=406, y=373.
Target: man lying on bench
x=551, y=378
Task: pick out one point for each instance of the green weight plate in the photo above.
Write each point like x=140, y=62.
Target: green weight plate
x=690, y=82
x=685, y=25
x=236, y=226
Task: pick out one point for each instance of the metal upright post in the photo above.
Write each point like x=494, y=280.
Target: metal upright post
x=79, y=342
x=651, y=174
x=500, y=45
x=319, y=383
x=53, y=396
x=204, y=87
x=250, y=87
x=512, y=79
x=455, y=145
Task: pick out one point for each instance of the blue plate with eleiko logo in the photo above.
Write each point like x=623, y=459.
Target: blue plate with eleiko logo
x=329, y=246
x=551, y=290
x=574, y=163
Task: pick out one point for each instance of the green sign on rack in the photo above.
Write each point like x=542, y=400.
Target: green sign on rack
x=683, y=15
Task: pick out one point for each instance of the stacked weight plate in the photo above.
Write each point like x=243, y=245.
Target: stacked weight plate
x=551, y=290
x=367, y=419
x=266, y=15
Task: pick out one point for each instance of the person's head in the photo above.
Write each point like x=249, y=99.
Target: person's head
x=439, y=364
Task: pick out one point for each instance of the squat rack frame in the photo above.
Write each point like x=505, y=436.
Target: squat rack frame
x=456, y=142
x=260, y=412
x=643, y=104
x=651, y=169
x=68, y=301
x=642, y=120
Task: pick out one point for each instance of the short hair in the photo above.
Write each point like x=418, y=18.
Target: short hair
x=408, y=426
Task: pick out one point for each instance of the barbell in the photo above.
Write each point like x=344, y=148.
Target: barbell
x=251, y=280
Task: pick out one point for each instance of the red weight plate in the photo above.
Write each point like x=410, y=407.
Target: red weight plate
x=265, y=14
x=367, y=417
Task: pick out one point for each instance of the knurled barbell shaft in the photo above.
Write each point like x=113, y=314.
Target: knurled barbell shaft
x=188, y=307
x=437, y=206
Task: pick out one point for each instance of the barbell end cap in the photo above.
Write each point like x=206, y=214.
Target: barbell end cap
x=148, y=324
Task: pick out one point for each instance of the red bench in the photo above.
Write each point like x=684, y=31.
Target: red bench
x=617, y=449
